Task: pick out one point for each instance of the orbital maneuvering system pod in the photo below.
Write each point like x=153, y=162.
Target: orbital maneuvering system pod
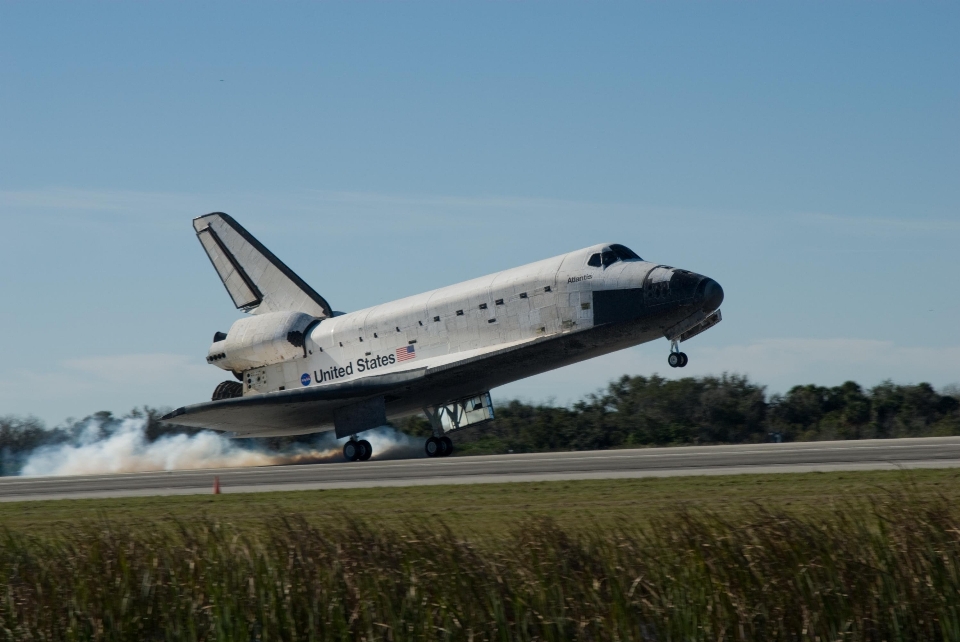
x=301, y=368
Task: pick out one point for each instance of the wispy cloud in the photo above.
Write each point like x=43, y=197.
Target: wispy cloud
x=433, y=200
x=126, y=201
x=312, y=209
x=81, y=386
x=802, y=360
x=387, y=205
x=142, y=368
x=861, y=224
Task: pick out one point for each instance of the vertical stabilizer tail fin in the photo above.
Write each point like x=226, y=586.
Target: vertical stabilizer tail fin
x=256, y=280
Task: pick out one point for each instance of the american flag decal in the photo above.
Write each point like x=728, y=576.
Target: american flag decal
x=406, y=353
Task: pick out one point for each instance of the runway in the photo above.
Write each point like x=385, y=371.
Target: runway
x=934, y=452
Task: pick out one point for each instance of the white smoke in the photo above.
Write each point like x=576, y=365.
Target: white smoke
x=126, y=449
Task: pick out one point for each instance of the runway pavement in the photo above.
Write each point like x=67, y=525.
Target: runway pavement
x=934, y=452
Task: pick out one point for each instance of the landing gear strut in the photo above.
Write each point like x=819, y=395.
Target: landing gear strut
x=357, y=450
x=438, y=446
x=676, y=359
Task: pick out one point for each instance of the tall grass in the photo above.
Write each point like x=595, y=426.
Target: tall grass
x=890, y=571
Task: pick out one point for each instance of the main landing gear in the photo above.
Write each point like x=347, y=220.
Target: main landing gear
x=357, y=450
x=438, y=446
x=676, y=359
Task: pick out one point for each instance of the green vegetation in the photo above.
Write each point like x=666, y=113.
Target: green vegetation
x=884, y=568
x=632, y=411
x=485, y=510
x=652, y=411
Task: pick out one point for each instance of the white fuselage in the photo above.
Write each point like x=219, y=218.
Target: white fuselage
x=305, y=368
x=538, y=300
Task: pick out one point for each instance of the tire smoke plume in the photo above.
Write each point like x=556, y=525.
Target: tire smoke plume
x=125, y=448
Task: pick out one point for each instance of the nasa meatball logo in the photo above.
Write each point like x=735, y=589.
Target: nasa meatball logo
x=305, y=379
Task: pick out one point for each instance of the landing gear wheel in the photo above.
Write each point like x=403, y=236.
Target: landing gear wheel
x=367, y=450
x=683, y=360
x=352, y=450
x=447, y=446
x=433, y=447
x=674, y=359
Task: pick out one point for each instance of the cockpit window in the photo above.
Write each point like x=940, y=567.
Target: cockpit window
x=624, y=253
x=611, y=254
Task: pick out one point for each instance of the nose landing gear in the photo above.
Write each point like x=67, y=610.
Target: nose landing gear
x=357, y=450
x=676, y=359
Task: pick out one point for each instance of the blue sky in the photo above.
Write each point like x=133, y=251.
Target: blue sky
x=806, y=155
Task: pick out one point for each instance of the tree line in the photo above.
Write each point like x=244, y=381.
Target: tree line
x=20, y=436
x=630, y=412
x=730, y=409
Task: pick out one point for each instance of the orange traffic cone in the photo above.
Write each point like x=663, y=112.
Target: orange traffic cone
x=216, y=485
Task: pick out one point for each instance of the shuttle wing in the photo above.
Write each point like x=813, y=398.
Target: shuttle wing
x=256, y=280
x=289, y=411
x=311, y=409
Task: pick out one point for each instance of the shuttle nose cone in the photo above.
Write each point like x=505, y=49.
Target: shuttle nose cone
x=711, y=294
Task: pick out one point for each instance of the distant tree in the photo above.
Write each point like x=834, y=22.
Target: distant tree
x=155, y=429
x=653, y=411
x=630, y=411
x=21, y=435
x=910, y=411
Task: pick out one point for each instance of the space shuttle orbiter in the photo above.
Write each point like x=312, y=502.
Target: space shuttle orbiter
x=303, y=368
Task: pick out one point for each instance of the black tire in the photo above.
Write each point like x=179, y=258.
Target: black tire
x=352, y=450
x=433, y=448
x=674, y=360
x=683, y=360
x=367, y=450
x=443, y=447
x=227, y=390
x=447, y=446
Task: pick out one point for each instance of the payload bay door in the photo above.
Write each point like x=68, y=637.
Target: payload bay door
x=461, y=413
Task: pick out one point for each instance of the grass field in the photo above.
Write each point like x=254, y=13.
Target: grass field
x=834, y=556
x=484, y=509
